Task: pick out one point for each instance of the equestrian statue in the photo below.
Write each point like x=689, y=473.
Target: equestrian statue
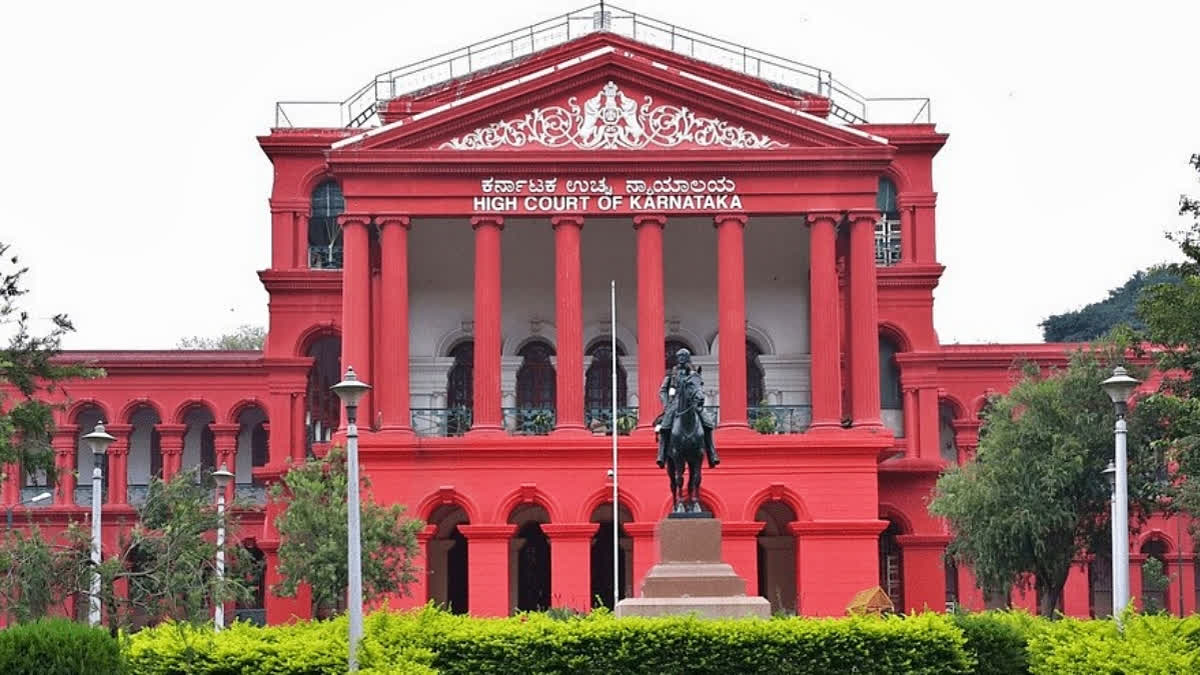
x=684, y=432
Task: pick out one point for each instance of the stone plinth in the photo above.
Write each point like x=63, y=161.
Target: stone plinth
x=690, y=577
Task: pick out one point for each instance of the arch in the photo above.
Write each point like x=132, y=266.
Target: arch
x=891, y=512
x=960, y=411
x=695, y=343
x=447, y=495
x=899, y=178
x=896, y=335
x=601, y=330
x=1155, y=535
x=754, y=334
x=312, y=178
x=604, y=340
x=527, y=493
x=707, y=498
x=776, y=492
x=83, y=405
x=546, y=332
x=537, y=377
x=604, y=496
x=235, y=412
x=132, y=407
x=451, y=339
x=181, y=411
x=980, y=402
x=315, y=332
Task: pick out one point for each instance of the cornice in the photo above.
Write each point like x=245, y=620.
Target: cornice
x=302, y=280
x=910, y=275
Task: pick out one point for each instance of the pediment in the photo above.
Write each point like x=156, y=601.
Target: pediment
x=615, y=101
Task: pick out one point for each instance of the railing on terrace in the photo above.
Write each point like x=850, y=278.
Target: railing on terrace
x=779, y=419
x=361, y=108
x=441, y=421
x=599, y=420
x=529, y=421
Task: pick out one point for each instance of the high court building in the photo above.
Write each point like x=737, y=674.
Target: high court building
x=452, y=230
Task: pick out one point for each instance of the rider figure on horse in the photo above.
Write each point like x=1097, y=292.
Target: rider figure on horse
x=670, y=393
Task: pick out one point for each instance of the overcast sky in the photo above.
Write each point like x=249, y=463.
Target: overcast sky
x=134, y=189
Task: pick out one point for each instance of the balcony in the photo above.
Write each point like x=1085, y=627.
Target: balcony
x=449, y=422
x=779, y=419
x=599, y=420
x=529, y=421
x=441, y=422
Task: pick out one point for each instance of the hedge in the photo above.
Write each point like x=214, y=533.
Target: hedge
x=1149, y=644
x=58, y=647
x=997, y=641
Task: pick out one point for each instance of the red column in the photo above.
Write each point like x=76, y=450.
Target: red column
x=739, y=548
x=1076, y=595
x=356, y=308
x=907, y=236
x=12, y=484
x=282, y=610
x=297, y=451
x=645, y=553
x=864, y=329
x=487, y=546
x=1183, y=571
x=65, y=444
x=650, y=327
x=834, y=560
x=300, y=250
x=928, y=423
x=418, y=591
x=225, y=440
x=825, y=347
x=568, y=319
x=283, y=218
x=486, y=413
x=924, y=571
x=118, y=462
x=911, y=434
x=731, y=322
x=171, y=442
x=392, y=374
x=1135, y=580
x=570, y=563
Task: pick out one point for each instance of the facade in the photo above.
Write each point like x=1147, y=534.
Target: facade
x=453, y=237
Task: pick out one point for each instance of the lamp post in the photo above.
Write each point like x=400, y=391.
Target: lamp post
x=98, y=441
x=36, y=499
x=351, y=390
x=222, y=477
x=1119, y=388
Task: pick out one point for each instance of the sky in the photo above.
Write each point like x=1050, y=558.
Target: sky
x=135, y=191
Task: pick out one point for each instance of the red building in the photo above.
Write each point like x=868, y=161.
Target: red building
x=452, y=231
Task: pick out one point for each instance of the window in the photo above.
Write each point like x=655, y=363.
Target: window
x=597, y=388
x=891, y=566
x=535, y=378
x=891, y=400
x=1155, y=579
x=323, y=407
x=951, y=585
x=756, y=391
x=324, y=233
x=948, y=444
x=887, y=230
x=460, y=382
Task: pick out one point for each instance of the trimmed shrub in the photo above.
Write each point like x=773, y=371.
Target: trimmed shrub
x=997, y=641
x=1149, y=644
x=58, y=647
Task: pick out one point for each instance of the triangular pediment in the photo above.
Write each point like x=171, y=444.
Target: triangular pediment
x=609, y=99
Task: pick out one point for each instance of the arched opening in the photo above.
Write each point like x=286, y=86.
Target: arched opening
x=891, y=400
x=252, y=450
x=322, y=407
x=887, y=230
x=597, y=387
x=1155, y=578
x=951, y=584
x=529, y=563
x=460, y=389
x=253, y=609
x=777, y=556
x=199, y=443
x=324, y=233
x=1100, y=585
x=446, y=559
x=891, y=565
x=602, y=557
x=536, y=389
x=145, y=453
x=673, y=345
x=87, y=419
x=756, y=389
x=947, y=443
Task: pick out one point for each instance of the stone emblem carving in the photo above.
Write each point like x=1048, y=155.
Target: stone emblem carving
x=610, y=120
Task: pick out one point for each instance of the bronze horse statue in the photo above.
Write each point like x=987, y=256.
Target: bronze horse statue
x=684, y=436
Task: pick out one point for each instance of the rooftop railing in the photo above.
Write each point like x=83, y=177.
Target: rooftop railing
x=361, y=108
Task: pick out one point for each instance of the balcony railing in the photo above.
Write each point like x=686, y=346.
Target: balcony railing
x=599, y=420
x=325, y=257
x=250, y=493
x=83, y=495
x=887, y=242
x=441, y=421
x=779, y=419
x=529, y=421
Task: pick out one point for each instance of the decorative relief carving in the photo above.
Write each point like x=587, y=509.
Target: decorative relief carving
x=610, y=120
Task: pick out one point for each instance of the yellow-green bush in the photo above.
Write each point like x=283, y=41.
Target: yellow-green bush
x=1149, y=644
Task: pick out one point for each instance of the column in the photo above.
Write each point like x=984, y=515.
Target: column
x=1183, y=571
x=283, y=243
x=171, y=442
x=1135, y=580
x=282, y=610
x=568, y=320
x=645, y=553
x=1076, y=595
x=864, y=329
x=356, y=308
x=570, y=563
x=834, y=560
x=65, y=444
x=928, y=424
x=739, y=548
x=486, y=414
x=907, y=237
x=650, y=327
x=300, y=249
x=487, y=577
x=298, y=449
x=924, y=571
x=118, y=463
x=731, y=322
x=911, y=435
x=392, y=374
x=824, y=335
x=225, y=442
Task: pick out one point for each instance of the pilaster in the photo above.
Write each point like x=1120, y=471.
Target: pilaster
x=739, y=548
x=118, y=463
x=834, y=560
x=924, y=571
x=570, y=563
x=645, y=553
x=66, y=448
x=488, y=576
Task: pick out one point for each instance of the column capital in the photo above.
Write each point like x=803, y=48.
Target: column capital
x=486, y=532
x=861, y=215
x=384, y=219
x=741, y=528
x=569, y=531
x=837, y=529
x=926, y=541
x=289, y=205
x=480, y=221
x=831, y=216
x=65, y=438
x=121, y=432
x=723, y=218
x=426, y=533
x=566, y=219
x=906, y=199
x=650, y=219
x=348, y=219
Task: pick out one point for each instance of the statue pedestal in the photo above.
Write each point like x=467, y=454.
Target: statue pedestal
x=690, y=577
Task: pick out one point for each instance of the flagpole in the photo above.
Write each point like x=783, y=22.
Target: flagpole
x=616, y=507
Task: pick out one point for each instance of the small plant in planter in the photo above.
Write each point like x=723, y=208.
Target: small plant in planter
x=626, y=423
x=765, y=421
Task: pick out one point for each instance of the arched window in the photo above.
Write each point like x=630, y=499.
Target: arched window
x=1155, y=580
x=324, y=233
x=323, y=407
x=951, y=585
x=535, y=377
x=947, y=442
x=597, y=388
x=891, y=400
x=887, y=230
x=756, y=390
x=460, y=388
x=891, y=566
x=672, y=346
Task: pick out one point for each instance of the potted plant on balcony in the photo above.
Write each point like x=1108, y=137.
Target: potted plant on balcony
x=626, y=422
x=764, y=421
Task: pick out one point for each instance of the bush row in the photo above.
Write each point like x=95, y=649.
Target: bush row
x=58, y=647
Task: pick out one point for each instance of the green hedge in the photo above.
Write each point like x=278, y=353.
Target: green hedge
x=998, y=641
x=1149, y=644
x=58, y=647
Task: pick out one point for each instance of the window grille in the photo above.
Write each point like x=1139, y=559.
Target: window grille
x=887, y=242
x=324, y=233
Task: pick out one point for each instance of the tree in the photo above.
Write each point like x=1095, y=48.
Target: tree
x=1033, y=499
x=1120, y=307
x=29, y=374
x=313, y=545
x=41, y=572
x=243, y=338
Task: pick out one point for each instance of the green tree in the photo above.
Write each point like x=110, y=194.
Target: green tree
x=1034, y=497
x=1098, y=318
x=243, y=338
x=39, y=572
x=29, y=376
x=313, y=545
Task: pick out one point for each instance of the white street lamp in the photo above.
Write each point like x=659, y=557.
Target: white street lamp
x=36, y=499
x=222, y=477
x=98, y=441
x=1119, y=388
x=351, y=390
